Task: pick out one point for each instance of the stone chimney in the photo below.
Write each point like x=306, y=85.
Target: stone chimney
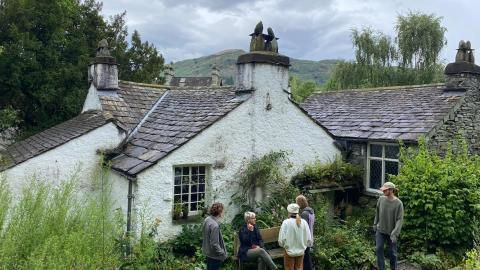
x=169, y=72
x=102, y=76
x=463, y=73
x=262, y=69
x=215, y=76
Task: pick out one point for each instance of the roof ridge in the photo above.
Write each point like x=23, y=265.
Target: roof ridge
x=159, y=86
x=386, y=88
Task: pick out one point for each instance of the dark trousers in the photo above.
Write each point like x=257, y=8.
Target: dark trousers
x=213, y=264
x=380, y=239
x=307, y=260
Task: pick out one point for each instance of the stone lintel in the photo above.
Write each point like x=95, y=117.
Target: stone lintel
x=264, y=57
x=462, y=67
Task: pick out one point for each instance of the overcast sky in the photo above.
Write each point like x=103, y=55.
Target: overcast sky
x=310, y=29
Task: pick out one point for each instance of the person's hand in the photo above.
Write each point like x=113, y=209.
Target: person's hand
x=393, y=238
x=249, y=227
x=255, y=246
x=374, y=228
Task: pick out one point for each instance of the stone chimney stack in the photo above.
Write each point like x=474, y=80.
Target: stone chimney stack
x=463, y=73
x=263, y=69
x=169, y=73
x=215, y=76
x=102, y=76
x=103, y=72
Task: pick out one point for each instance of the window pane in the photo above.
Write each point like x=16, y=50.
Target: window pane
x=391, y=167
x=178, y=171
x=186, y=180
x=176, y=198
x=185, y=198
x=194, y=197
x=184, y=189
x=193, y=207
x=177, y=190
x=201, y=188
x=178, y=180
x=201, y=178
x=186, y=171
x=375, y=174
x=391, y=151
x=201, y=170
x=194, y=188
x=375, y=150
x=195, y=170
x=194, y=179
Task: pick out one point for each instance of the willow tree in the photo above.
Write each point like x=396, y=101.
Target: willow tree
x=412, y=58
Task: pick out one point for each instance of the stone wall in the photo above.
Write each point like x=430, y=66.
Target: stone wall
x=464, y=120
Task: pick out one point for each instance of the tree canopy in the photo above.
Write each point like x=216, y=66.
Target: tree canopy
x=413, y=57
x=45, y=49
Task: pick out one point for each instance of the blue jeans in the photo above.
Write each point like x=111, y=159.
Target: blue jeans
x=213, y=264
x=380, y=239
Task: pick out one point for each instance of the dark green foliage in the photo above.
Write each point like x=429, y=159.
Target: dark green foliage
x=318, y=174
x=45, y=49
x=302, y=90
x=412, y=59
x=441, y=196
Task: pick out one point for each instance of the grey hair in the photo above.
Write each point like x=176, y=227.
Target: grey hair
x=248, y=215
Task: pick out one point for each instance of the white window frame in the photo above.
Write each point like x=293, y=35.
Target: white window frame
x=190, y=166
x=383, y=159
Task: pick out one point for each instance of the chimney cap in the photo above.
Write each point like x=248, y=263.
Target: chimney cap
x=103, y=55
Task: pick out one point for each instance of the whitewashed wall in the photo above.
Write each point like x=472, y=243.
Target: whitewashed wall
x=78, y=156
x=249, y=130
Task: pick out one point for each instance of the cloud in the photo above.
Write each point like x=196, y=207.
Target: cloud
x=307, y=29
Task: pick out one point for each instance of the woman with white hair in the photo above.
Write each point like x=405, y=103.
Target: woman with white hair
x=251, y=244
x=294, y=237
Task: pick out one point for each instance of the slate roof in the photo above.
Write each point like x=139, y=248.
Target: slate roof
x=176, y=118
x=48, y=139
x=392, y=113
x=191, y=81
x=132, y=102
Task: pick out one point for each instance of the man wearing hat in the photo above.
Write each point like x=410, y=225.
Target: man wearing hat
x=387, y=224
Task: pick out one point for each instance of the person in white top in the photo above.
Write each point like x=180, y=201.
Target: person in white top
x=294, y=237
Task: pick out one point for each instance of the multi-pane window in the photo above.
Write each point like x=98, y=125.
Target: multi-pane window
x=382, y=160
x=189, y=186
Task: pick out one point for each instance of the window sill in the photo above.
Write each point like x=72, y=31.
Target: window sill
x=188, y=220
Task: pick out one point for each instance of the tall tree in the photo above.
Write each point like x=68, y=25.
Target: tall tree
x=412, y=59
x=45, y=48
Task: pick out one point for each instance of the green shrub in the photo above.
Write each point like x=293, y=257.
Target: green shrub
x=427, y=261
x=52, y=228
x=320, y=173
x=441, y=197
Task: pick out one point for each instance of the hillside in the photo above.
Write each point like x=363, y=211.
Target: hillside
x=318, y=71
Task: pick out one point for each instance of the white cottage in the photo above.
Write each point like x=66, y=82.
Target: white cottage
x=176, y=144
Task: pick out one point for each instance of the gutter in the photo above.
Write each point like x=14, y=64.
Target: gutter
x=130, y=198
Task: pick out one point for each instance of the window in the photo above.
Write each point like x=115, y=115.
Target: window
x=382, y=160
x=189, y=187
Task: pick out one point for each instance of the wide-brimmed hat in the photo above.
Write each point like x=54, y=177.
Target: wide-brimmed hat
x=388, y=185
x=293, y=208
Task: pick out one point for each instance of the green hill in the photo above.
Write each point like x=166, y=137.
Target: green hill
x=318, y=71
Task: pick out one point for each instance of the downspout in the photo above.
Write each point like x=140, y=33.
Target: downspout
x=130, y=197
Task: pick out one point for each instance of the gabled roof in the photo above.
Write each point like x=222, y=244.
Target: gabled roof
x=191, y=81
x=177, y=117
x=53, y=137
x=391, y=113
x=132, y=101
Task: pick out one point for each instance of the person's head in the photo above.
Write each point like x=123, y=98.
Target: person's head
x=250, y=217
x=293, y=209
x=388, y=189
x=301, y=201
x=216, y=209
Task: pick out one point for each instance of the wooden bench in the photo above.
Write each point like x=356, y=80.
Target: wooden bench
x=269, y=235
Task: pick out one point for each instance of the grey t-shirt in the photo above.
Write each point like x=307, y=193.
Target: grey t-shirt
x=389, y=216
